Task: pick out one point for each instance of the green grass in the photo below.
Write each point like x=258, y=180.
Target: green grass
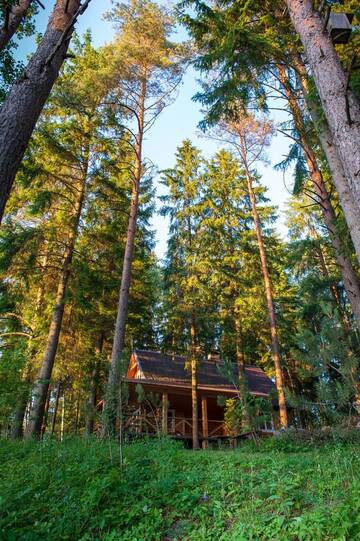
x=72, y=491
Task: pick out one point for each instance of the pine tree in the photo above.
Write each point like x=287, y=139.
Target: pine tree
x=150, y=69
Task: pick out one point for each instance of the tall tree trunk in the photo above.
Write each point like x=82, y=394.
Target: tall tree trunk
x=90, y=414
x=22, y=107
x=348, y=273
x=41, y=386
x=194, y=386
x=348, y=203
x=276, y=352
x=14, y=15
x=341, y=107
x=111, y=402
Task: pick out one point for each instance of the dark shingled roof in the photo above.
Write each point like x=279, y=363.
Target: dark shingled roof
x=161, y=368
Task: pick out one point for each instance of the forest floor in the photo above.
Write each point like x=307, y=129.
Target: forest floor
x=76, y=490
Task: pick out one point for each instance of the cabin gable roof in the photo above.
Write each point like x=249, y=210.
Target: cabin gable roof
x=159, y=368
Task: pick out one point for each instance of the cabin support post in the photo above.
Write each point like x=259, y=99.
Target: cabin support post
x=205, y=424
x=165, y=407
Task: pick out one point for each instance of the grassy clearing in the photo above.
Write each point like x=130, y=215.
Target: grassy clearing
x=72, y=491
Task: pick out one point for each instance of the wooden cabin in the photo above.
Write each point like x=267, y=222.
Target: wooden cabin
x=164, y=383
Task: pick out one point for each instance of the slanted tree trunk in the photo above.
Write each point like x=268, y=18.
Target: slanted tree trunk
x=111, y=402
x=13, y=17
x=22, y=107
x=348, y=273
x=194, y=386
x=340, y=105
x=276, y=352
x=41, y=385
x=90, y=414
x=348, y=203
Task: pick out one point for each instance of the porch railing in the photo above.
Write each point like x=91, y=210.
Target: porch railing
x=182, y=426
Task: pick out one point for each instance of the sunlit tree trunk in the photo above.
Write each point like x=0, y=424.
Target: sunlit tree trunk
x=111, y=402
x=276, y=352
x=41, y=385
x=14, y=16
x=22, y=107
x=348, y=203
x=349, y=276
x=340, y=105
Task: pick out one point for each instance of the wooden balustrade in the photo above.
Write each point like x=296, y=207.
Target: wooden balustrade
x=181, y=426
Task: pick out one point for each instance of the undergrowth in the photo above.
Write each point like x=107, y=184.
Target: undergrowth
x=76, y=490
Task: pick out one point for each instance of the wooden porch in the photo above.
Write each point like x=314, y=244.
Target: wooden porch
x=166, y=421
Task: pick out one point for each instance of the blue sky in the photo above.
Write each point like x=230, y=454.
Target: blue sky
x=178, y=122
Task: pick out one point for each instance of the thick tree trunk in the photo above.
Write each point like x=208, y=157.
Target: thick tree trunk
x=341, y=107
x=90, y=414
x=41, y=386
x=276, y=352
x=111, y=402
x=348, y=203
x=22, y=107
x=194, y=387
x=14, y=15
x=348, y=273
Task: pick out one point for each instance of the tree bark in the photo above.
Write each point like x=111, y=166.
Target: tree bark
x=276, y=352
x=341, y=107
x=41, y=386
x=348, y=203
x=22, y=107
x=111, y=402
x=348, y=273
x=194, y=386
x=14, y=16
